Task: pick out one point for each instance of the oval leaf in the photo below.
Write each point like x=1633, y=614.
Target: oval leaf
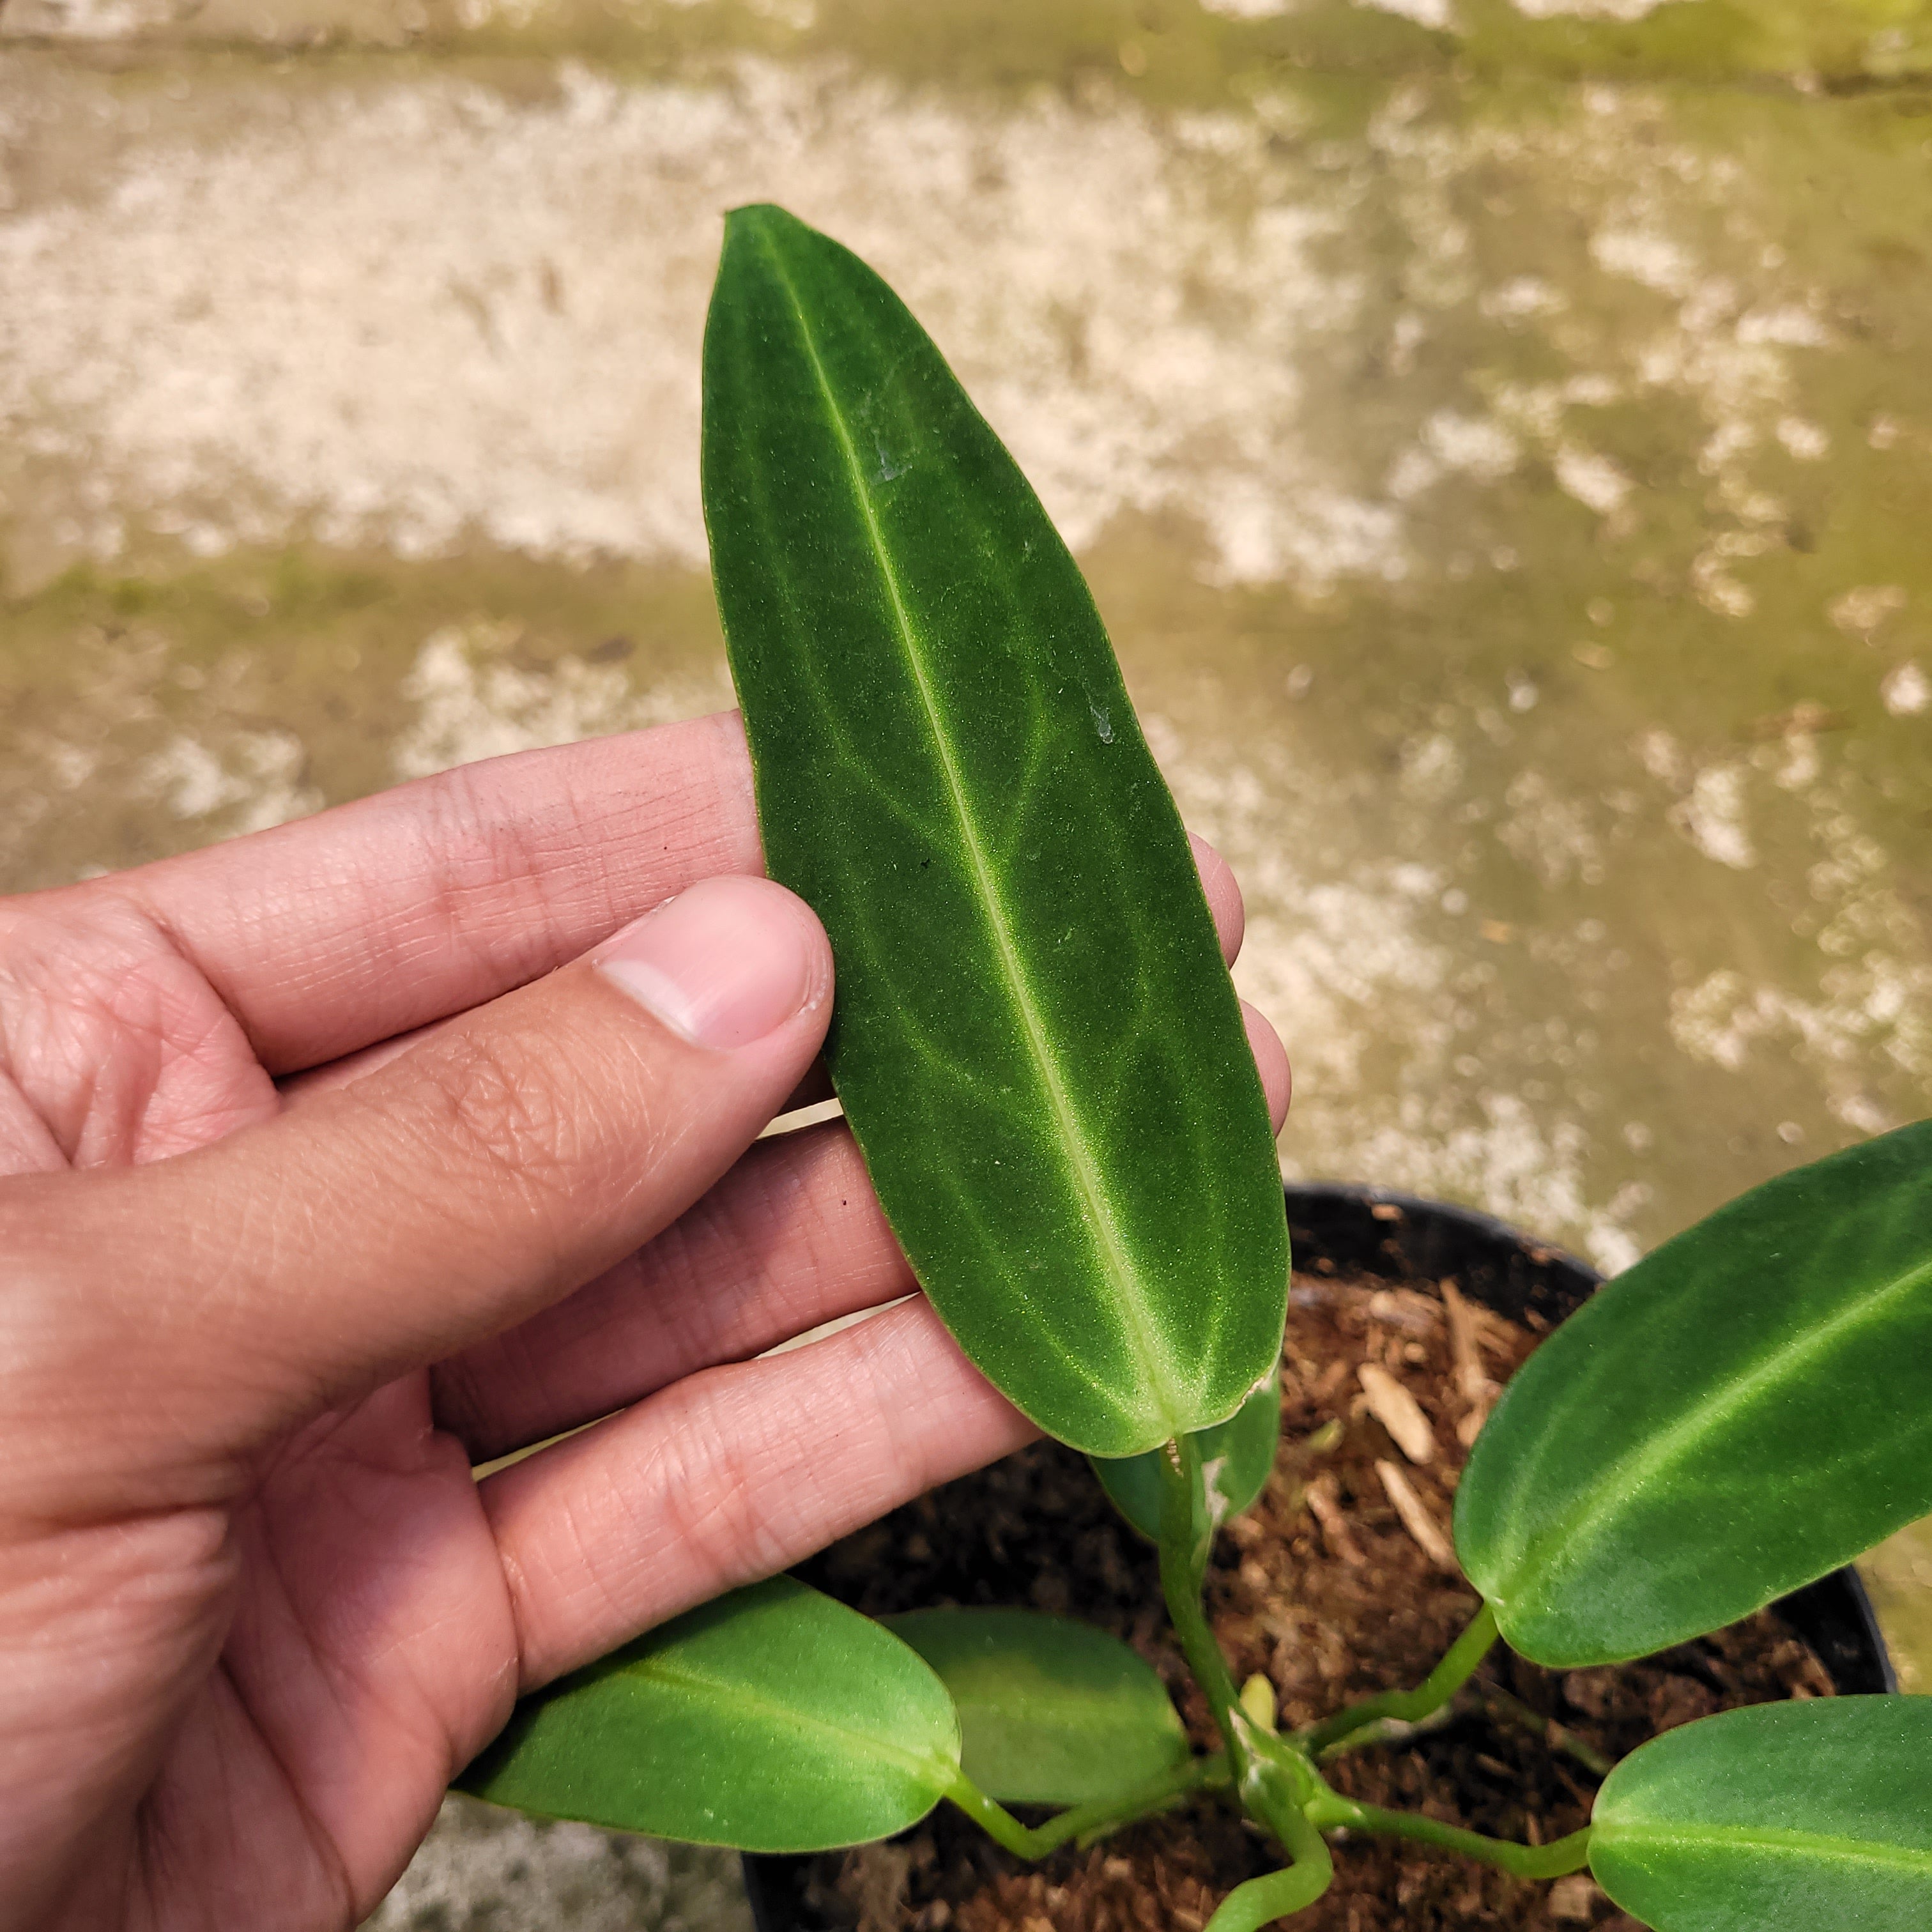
x=1050, y=1711
x=1237, y=1458
x=1036, y=1041
x=1812, y=1815
x=1744, y=1410
x=773, y=1719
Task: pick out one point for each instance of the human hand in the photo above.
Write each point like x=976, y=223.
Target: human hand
x=335, y=1167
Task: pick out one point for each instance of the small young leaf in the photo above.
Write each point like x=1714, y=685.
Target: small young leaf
x=773, y=1719
x=1746, y=1408
x=1036, y=1043
x=1050, y=1711
x=1813, y=1816
x=1237, y=1457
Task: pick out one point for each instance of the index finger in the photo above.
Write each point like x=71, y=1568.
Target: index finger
x=364, y=921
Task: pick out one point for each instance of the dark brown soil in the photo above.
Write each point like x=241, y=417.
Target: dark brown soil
x=1322, y=1587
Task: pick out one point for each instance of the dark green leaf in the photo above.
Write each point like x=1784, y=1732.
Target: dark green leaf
x=1036, y=1041
x=1811, y=1817
x=1050, y=1711
x=773, y=1719
x=1236, y=1458
x=1746, y=1408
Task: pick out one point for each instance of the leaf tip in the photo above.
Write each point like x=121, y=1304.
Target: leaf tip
x=755, y=217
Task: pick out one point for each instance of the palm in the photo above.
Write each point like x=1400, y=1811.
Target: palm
x=373, y=1647
x=360, y=1544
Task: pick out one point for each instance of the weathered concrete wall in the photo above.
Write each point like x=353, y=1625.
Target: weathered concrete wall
x=1500, y=437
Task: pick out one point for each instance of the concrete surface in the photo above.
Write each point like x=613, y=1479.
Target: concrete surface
x=1500, y=437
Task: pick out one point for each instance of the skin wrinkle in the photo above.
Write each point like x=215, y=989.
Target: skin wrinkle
x=84, y=1010
x=230, y=1716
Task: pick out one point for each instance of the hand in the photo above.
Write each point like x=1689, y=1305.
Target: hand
x=329, y=1175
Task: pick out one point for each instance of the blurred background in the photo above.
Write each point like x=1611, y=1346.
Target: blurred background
x=1498, y=433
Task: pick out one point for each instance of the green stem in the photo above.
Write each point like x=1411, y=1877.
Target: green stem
x=1184, y=1563
x=1501, y=1704
x=1394, y=1731
x=1410, y=1707
x=1249, y=1906
x=1098, y=1816
x=1272, y=1775
x=1551, y=1861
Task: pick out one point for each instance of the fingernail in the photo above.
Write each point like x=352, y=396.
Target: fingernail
x=724, y=963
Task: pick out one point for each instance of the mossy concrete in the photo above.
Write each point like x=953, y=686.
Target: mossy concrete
x=1502, y=450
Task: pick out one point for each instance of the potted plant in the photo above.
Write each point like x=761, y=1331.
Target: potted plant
x=1042, y=1060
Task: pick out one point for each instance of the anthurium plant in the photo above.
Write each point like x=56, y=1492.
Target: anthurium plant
x=1039, y=1052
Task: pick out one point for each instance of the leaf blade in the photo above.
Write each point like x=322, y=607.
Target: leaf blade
x=1812, y=1813
x=1050, y=1711
x=1036, y=1041
x=772, y=1719
x=1696, y=1440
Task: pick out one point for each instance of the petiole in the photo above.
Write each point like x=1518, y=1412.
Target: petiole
x=1410, y=1707
x=1331, y=1810
x=1091, y=1820
x=1249, y=1906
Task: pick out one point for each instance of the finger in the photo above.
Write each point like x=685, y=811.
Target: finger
x=732, y=1475
x=1224, y=896
x=489, y=1171
x=794, y=1236
x=1270, y=1061
x=1218, y=882
x=363, y=922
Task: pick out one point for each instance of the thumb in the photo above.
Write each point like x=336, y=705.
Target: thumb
x=497, y=1166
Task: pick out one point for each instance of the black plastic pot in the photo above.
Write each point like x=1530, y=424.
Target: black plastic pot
x=1344, y=1229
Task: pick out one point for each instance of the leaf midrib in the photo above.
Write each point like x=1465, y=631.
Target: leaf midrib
x=1767, y=1838
x=920, y=1768
x=1640, y=1465
x=1072, y=1132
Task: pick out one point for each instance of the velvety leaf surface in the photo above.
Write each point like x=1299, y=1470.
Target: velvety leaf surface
x=1813, y=1817
x=773, y=1719
x=1050, y=1711
x=1746, y=1408
x=1236, y=1457
x=1036, y=1041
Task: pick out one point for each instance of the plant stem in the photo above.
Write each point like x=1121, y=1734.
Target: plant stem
x=1411, y=1707
x=1249, y=1906
x=1566, y=1855
x=1394, y=1731
x=1272, y=1776
x=1184, y=1563
x=1099, y=1816
x=1500, y=1703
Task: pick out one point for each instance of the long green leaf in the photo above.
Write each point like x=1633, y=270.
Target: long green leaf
x=1237, y=1458
x=1050, y=1711
x=1035, y=1039
x=1746, y=1408
x=1815, y=1817
x=773, y=1719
